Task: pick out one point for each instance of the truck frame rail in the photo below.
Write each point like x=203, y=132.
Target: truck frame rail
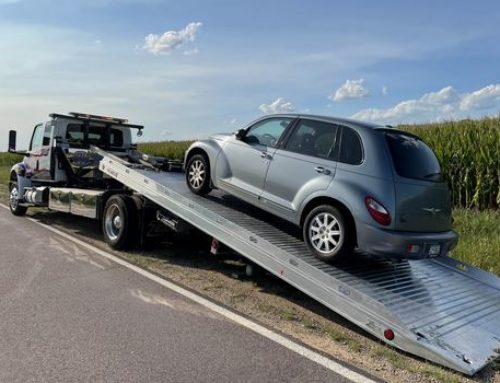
x=439, y=309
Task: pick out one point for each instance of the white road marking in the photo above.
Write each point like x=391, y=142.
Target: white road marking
x=255, y=327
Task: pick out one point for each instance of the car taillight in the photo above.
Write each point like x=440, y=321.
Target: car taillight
x=378, y=212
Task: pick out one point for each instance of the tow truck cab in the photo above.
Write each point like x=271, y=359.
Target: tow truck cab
x=59, y=156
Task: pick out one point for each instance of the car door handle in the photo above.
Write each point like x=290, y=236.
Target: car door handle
x=266, y=155
x=322, y=170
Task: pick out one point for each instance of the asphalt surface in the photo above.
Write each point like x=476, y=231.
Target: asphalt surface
x=68, y=315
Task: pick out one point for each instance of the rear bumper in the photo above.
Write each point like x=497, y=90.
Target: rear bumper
x=394, y=244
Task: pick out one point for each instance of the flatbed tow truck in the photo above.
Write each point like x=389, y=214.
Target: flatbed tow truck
x=439, y=309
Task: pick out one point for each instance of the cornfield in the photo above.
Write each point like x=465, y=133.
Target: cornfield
x=170, y=149
x=469, y=152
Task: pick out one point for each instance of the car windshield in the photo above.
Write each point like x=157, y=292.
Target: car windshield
x=412, y=158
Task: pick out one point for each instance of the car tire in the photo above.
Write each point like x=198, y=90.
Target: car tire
x=198, y=174
x=327, y=234
x=14, y=206
x=120, y=222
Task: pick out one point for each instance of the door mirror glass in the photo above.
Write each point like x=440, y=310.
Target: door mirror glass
x=12, y=140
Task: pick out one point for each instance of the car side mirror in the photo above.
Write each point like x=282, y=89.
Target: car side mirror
x=12, y=140
x=240, y=134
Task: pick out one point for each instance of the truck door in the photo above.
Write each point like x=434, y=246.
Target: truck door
x=38, y=162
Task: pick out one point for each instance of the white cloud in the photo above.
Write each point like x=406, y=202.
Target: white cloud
x=351, y=89
x=484, y=98
x=280, y=105
x=445, y=96
x=170, y=40
x=446, y=103
x=384, y=90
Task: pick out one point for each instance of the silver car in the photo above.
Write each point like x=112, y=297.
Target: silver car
x=345, y=183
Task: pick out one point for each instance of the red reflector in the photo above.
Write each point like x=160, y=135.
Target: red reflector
x=413, y=249
x=389, y=334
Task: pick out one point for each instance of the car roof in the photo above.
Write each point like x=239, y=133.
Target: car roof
x=346, y=121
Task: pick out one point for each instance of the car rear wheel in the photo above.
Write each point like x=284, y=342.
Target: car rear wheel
x=327, y=234
x=198, y=174
x=119, y=224
x=14, y=198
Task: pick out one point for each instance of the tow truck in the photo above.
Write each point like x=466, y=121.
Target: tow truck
x=440, y=309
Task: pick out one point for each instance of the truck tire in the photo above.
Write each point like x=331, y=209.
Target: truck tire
x=15, y=208
x=327, y=234
x=198, y=174
x=120, y=222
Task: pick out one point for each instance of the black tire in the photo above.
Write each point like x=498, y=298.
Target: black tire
x=120, y=222
x=198, y=174
x=327, y=234
x=14, y=200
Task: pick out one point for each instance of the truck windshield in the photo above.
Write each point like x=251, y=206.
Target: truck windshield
x=412, y=158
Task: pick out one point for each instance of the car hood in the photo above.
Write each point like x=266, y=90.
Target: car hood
x=221, y=136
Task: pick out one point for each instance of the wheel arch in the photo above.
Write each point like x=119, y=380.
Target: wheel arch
x=194, y=151
x=318, y=201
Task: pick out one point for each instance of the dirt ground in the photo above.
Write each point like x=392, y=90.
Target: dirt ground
x=271, y=302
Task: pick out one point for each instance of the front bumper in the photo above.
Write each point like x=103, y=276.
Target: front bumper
x=394, y=244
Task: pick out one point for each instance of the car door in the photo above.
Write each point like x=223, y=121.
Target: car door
x=248, y=158
x=38, y=162
x=303, y=166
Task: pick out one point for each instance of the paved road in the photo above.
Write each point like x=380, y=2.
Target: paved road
x=68, y=315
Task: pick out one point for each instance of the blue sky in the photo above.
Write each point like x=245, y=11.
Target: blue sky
x=189, y=68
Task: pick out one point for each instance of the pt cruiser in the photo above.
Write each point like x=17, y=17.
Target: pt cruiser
x=346, y=183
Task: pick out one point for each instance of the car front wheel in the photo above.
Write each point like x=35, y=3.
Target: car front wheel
x=198, y=174
x=327, y=234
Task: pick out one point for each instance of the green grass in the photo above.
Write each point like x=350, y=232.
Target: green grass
x=479, y=242
x=170, y=149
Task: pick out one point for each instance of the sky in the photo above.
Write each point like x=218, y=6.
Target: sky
x=186, y=69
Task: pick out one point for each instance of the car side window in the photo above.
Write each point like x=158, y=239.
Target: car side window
x=313, y=138
x=37, y=139
x=351, y=149
x=267, y=132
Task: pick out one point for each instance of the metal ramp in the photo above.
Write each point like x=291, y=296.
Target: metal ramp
x=439, y=309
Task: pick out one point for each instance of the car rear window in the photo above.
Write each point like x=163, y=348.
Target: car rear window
x=412, y=158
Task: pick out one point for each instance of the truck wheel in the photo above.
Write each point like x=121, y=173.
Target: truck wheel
x=120, y=221
x=327, y=234
x=14, y=198
x=198, y=174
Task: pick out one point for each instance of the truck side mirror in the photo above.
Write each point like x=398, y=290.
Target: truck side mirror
x=240, y=134
x=12, y=140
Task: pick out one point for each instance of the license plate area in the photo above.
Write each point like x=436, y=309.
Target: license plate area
x=433, y=250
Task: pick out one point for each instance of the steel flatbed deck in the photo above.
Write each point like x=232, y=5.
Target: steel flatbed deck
x=440, y=309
